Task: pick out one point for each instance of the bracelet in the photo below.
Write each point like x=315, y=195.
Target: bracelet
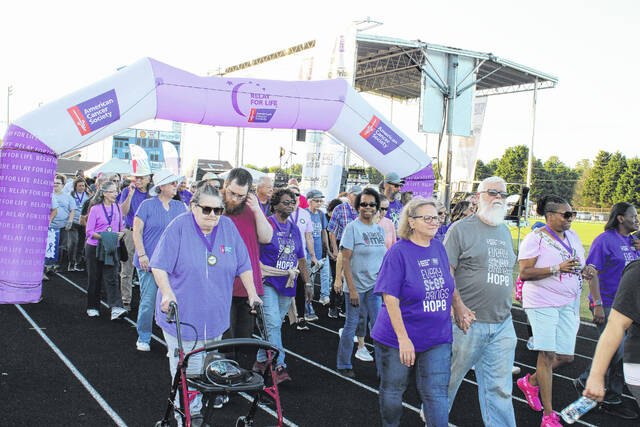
x=597, y=303
x=554, y=269
x=140, y=256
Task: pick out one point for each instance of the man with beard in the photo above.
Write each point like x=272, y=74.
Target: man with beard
x=243, y=208
x=480, y=251
x=392, y=186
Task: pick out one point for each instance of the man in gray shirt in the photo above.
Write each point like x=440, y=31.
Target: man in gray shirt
x=481, y=255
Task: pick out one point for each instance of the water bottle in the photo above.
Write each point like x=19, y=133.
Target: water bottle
x=573, y=412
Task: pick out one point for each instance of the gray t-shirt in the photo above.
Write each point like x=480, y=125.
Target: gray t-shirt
x=368, y=246
x=483, y=259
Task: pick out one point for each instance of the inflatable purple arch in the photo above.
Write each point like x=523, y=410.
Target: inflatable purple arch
x=150, y=89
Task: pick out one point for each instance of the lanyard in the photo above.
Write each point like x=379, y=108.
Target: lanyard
x=567, y=245
x=207, y=242
x=109, y=217
x=79, y=199
x=628, y=243
x=295, y=220
x=265, y=207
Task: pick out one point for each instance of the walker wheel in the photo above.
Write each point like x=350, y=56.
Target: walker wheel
x=242, y=422
x=162, y=423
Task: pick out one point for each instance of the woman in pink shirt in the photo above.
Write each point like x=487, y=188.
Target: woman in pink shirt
x=390, y=236
x=552, y=263
x=104, y=230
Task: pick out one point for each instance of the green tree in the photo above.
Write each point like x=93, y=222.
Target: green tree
x=583, y=168
x=264, y=169
x=512, y=167
x=540, y=181
x=375, y=176
x=483, y=170
x=562, y=179
x=628, y=186
x=610, y=176
x=595, y=178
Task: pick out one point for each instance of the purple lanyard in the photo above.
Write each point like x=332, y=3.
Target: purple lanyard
x=79, y=199
x=208, y=243
x=295, y=221
x=567, y=245
x=108, y=217
x=265, y=207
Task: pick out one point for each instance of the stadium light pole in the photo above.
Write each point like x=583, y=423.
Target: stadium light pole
x=9, y=93
x=219, y=132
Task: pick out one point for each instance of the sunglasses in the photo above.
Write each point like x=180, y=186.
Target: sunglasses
x=427, y=218
x=206, y=210
x=384, y=209
x=567, y=214
x=494, y=193
x=288, y=202
x=368, y=205
x=296, y=194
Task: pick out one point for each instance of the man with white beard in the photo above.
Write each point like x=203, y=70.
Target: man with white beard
x=481, y=255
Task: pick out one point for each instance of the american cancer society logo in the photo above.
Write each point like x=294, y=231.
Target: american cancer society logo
x=381, y=136
x=96, y=112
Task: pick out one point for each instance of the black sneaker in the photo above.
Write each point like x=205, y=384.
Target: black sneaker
x=302, y=325
x=347, y=373
x=333, y=312
x=220, y=401
x=619, y=411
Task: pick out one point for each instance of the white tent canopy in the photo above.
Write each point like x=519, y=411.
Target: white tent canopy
x=112, y=166
x=255, y=174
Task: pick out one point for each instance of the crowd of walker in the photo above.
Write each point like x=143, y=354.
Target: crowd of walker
x=434, y=294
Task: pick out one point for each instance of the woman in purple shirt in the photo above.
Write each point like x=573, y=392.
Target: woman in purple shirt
x=150, y=221
x=610, y=252
x=414, y=324
x=104, y=225
x=194, y=264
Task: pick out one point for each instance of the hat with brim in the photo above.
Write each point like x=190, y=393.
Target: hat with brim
x=163, y=177
x=314, y=194
x=354, y=189
x=394, y=178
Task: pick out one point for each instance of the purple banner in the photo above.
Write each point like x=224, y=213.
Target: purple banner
x=96, y=112
x=381, y=136
x=27, y=169
x=420, y=183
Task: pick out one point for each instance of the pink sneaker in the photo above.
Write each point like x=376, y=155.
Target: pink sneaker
x=550, y=420
x=531, y=393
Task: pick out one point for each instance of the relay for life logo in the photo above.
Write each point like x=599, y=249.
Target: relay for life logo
x=381, y=136
x=96, y=112
x=253, y=102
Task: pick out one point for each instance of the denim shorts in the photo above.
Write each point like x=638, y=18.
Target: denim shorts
x=554, y=328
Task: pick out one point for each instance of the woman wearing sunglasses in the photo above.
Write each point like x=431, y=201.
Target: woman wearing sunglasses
x=362, y=247
x=414, y=324
x=552, y=263
x=152, y=217
x=196, y=260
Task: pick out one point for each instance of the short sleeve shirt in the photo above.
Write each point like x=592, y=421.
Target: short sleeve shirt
x=483, y=259
x=609, y=253
x=80, y=201
x=420, y=278
x=552, y=291
x=283, y=253
x=203, y=291
x=318, y=223
x=627, y=302
x=302, y=219
x=137, y=198
x=65, y=205
x=155, y=218
x=368, y=246
x=394, y=212
x=342, y=215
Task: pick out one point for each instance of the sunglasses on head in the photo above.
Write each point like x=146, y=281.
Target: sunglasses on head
x=207, y=210
x=494, y=193
x=370, y=205
x=567, y=214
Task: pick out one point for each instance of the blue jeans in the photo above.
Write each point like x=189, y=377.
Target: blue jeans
x=490, y=347
x=275, y=307
x=432, y=370
x=148, y=291
x=369, y=302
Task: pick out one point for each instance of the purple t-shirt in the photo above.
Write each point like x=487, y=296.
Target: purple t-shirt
x=203, y=291
x=610, y=252
x=137, y=198
x=283, y=253
x=155, y=218
x=186, y=196
x=395, y=209
x=420, y=278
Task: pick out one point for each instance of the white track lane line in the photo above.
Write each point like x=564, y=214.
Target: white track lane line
x=92, y=391
x=161, y=341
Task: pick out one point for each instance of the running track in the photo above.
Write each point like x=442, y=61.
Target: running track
x=59, y=367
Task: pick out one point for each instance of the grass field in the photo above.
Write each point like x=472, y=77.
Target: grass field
x=587, y=232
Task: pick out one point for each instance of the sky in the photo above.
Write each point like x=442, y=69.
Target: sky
x=50, y=49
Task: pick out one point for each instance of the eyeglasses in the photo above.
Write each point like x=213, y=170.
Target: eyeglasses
x=57, y=183
x=567, y=214
x=396, y=185
x=384, y=209
x=369, y=205
x=236, y=195
x=288, y=202
x=316, y=200
x=427, y=218
x=206, y=210
x=296, y=194
x=494, y=193
x=442, y=213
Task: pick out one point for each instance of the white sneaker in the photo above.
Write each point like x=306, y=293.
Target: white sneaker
x=93, y=312
x=143, y=346
x=515, y=370
x=324, y=300
x=117, y=313
x=364, y=355
x=355, y=338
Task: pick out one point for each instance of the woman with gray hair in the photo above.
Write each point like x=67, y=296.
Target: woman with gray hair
x=414, y=324
x=104, y=231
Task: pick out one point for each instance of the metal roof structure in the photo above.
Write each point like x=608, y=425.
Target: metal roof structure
x=393, y=68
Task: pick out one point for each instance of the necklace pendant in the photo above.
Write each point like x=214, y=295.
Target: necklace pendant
x=212, y=260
